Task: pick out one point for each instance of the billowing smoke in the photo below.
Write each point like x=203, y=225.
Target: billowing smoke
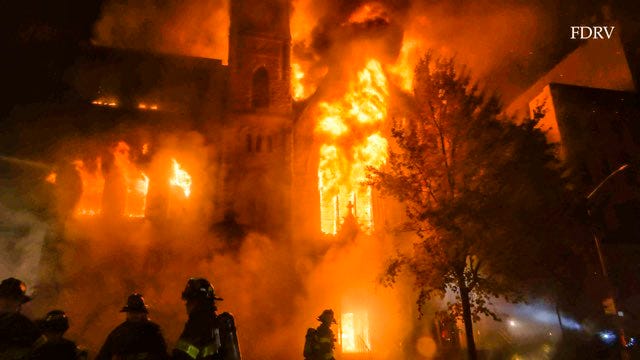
x=22, y=238
x=195, y=28
x=497, y=40
x=274, y=288
x=510, y=42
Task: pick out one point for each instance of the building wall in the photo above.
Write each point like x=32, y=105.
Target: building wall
x=596, y=64
x=257, y=135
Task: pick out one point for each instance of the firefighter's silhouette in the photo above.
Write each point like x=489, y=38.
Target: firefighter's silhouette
x=52, y=344
x=17, y=332
x=206, y=335
x=137, y=337
x=320, y=342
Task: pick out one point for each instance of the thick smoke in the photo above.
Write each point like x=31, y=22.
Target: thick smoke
x=274, y=288
x=510, y=42
x=194, y=27
x=495, y=40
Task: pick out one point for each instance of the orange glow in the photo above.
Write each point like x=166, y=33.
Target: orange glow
x=106, y=101
x=355, y=332
x=369, y=12
x=145, y=106
x=342, y=169
x=296, y=82
x=51, y=178
x=145, y=149
x=406, y=62
x=180, y=178
x=136, y=182
x=90, y=202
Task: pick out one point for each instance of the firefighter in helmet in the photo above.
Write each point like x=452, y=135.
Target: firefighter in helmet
x=206, y=335
x=320, y=342
x=52, y=344
x=137, y=337
x=17, y=332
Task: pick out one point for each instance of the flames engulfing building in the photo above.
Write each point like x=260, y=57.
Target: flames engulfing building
x=265, y=160
x=138, y=134
x=243, y=110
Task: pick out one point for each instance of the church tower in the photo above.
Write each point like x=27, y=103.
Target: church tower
x=258, y=135
x=259, y=56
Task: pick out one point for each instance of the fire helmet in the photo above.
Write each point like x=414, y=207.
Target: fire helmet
x=135, y=304
x=199, y=288
x=13, y=288
x=55, y=321
x=327, y=316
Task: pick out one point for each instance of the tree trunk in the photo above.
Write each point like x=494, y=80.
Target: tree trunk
x=468, y=323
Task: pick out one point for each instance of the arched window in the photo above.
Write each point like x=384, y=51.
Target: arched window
x=260, y=89
x=258, y=143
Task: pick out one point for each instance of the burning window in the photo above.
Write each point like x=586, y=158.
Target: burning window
x=136, y=182
x=132, y=182
x=354, y=332
x=180, y=179
x=92, y=179
x=350, y=129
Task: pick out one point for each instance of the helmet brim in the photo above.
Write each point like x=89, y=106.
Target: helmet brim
x=128, y=309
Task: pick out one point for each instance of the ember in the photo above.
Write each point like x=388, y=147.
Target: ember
x=51, y=178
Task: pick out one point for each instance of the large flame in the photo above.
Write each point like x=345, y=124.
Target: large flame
x=355, y=332
x=342, y=168
x=180, y=178
x=136, y=181
x=92, y=180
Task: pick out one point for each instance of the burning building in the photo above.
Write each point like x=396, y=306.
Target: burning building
x=154, y=153
x=165, y=165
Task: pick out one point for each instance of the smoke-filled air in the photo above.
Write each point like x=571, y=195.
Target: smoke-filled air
x=142, y=209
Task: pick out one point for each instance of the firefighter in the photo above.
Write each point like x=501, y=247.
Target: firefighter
x=206, y=335
x=17, y=332
x=320, y=342
x=136, y=338
x=52, y=344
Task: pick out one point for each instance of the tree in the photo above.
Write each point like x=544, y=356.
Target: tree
x=483, y=193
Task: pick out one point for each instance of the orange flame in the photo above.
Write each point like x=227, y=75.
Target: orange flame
x=296, y=82
x=406, y=62
x=181, y=179
x=355, y=332
x=342, y=169
x=369, y=12
x=51, y=178
x=90, y=202
x=106, y=101
x=136, y=181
